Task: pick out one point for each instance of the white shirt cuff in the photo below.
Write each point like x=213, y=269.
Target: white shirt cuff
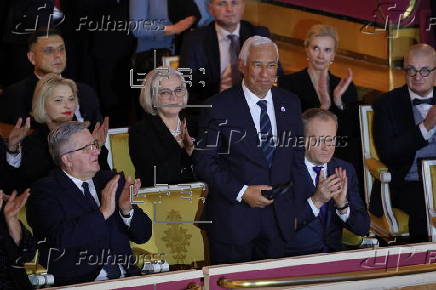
x=128, y=220
x=344, y=217
x=241, y=193
x=426, y=134
x=14, y=160
x=315, y=210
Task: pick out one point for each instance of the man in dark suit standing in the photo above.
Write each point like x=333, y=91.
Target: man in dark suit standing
x=238, y=156
x=47, y=55
x=404, y=132
x=330, y=187
x=211, y=51
x=83, y=214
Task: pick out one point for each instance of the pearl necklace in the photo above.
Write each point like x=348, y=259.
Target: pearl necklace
x=177, y=131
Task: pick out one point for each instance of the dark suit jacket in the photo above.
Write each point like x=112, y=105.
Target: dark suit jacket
x=310, y=239
x=397, y=138
x=228, y=157
x=151, y=144
x=36, y=161
x=200, y=49
x=17, y=101
x=300, y=84
x=74, y=230
x=13, y=257
x=9, y=179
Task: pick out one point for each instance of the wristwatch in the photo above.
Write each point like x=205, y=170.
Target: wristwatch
x=343, y=208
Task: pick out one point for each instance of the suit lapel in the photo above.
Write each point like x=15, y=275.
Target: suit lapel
x=404, y=108
x=213, y=52
x=68, y=187
x=245, y=122
x=244, y=33
x=282, y=121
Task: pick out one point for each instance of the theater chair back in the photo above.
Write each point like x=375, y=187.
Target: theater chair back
x=117, y=143
x=393, y=222
x=429, y=182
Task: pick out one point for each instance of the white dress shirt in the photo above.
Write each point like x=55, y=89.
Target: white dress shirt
x=255, y=111
x=423, y=110
x=309, y=165
x=102, y=275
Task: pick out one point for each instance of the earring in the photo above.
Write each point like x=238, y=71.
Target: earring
x=332, y=61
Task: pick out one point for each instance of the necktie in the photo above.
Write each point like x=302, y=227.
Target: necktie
x=89, y=198
x=430, y=101
x=112, y=269
x=234, y=52
x=265, y=129
x=323, y=210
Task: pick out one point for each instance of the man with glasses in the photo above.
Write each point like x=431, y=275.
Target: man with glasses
x=47, y=54
x=84, y=215
x=404, y=133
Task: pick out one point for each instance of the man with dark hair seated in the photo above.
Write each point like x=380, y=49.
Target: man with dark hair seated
x=330, y=187
x=82, y=212
x=47, y=53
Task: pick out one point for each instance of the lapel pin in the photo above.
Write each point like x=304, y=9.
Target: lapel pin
x=283, y=109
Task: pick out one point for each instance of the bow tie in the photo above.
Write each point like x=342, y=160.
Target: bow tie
x=417, y=102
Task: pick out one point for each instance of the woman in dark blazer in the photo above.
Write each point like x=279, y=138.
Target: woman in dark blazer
x=16, y=243
x=54, y=102
x=161, y=139
x=317, y=87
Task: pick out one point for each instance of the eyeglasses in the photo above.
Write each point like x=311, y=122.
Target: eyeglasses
x=87, y=148
x=166, y=93
x=53, y=50
x=424, y=72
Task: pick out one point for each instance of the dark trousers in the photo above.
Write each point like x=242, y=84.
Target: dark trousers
x=268, y=244
x=409, y=197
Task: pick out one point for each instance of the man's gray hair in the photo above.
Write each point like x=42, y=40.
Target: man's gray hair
x=317, y=113
x=255, y=41
x=59, y=137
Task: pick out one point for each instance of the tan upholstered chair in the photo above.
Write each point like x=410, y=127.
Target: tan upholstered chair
x=429, y=182
x=172, y=208
x=394, y=222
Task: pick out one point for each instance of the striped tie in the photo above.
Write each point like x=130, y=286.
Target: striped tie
x=234, y=52
x=266, y=130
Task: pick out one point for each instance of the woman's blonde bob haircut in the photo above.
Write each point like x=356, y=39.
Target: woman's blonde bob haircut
x=43, y=89
x=321, y=30
x=151, y=85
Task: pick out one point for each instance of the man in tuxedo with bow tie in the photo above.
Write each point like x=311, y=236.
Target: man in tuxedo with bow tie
x=247, y=147
x=84, y=215
x=329, y=186
x=404, y=133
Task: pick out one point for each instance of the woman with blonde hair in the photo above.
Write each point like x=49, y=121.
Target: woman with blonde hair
x=161, y=140
x=317, y=87
x=54, y=102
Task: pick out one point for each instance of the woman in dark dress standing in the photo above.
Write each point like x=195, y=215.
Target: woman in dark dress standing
x=317, y=87
x=161, y=140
